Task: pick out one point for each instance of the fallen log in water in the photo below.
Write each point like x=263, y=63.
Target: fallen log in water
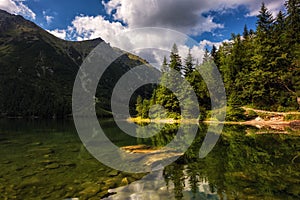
x=151, y=155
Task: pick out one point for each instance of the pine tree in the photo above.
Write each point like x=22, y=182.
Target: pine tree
x=175, y=60
x=251, y=33
x=189, y=64
x=139, y=106
x=206, y=57
x=278, y=58
x=293, y=42
x=164, y=67
x=215, y=56
x=261, y=68
x=246, y=32
x=265, y=20
x=213, y=51
x=264, y=43
x=279, y=23
x=170, y=80
x=145, y=109
x=293, y=20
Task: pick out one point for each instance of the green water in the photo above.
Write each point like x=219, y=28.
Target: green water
x=46, y=160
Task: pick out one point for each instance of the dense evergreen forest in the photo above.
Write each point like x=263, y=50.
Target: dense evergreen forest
x=260, y=69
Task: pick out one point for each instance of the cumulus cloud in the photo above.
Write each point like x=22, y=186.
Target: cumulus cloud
x=205, y=43
x=48, y=18
x=184, y=16
x=93, y=27
x=17, y=7
x=155, y=55
x=274, y=7
x=59, y=33
x=149, y=43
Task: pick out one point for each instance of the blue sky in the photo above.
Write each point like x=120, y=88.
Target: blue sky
x=63, y=11
x=206, y=21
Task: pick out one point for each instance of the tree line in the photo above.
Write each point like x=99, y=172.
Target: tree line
x=260, y=68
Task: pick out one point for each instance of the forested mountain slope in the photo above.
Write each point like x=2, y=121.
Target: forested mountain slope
x=37, y=70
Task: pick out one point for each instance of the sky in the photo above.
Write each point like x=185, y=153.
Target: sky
x=206, y=22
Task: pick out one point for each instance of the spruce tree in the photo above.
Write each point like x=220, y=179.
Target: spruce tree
x=169, y=80
x=293, y=20
x=265, y=20
x=139, y=106
x=189, y=64
x=164, y=67
x=246, y=32
x=175, y=60
x=293, y=42
x=206, y=56
x=215, y=55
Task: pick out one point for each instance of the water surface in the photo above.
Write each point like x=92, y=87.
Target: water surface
x=46, y=160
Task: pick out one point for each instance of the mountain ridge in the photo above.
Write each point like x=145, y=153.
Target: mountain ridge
x=37, y=70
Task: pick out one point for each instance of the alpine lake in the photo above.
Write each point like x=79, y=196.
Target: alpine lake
x=47, y=160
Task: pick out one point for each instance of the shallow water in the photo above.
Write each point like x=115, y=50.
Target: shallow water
x=46, y=160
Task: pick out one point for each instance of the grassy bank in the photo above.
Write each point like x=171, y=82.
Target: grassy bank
x=243, y=115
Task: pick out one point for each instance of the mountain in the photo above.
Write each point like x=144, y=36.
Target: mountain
x=37, y=70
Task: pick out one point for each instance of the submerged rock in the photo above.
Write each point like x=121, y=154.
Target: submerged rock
x=149, y=156
x=6, y=162
x=46, y=162
x=68, y=164
x=41, y=151
x=113, y=173
x=52, y=166
x=32, y=181
x=91, y=189
x=36, y=144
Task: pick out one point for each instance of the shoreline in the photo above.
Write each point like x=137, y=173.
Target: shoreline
x=265, y=126
x=263, y=118
x=195, y=121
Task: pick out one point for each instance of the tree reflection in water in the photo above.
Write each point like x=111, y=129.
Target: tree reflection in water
x=241, y=166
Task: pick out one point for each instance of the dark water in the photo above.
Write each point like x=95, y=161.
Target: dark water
x=46, y=160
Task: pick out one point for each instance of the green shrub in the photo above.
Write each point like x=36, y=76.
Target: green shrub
x=285, y=109
x=203, y=114
x=280, y=109
x=291, y=117
x=251, y=114
x=173, y=115
x=235, y=114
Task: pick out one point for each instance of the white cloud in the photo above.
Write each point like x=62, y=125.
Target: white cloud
x=198, y=50
x=93, y=27
x=48, y=18
x=17, y=7
x=274, y=6
x=149, y=43
x=205, y=43
x=183, y=16
x=59, y=33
